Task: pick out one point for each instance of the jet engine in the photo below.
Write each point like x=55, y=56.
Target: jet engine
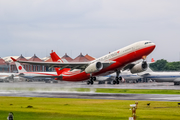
x=140, y=67
x=94, y=67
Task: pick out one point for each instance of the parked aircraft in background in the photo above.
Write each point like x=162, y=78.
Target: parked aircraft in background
x=127, y=76
x=161, y=76
x=33, y=75
x=108, y=64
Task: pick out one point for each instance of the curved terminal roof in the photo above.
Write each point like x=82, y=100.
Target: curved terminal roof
x=89, y=57
x=81, y=58
x=69, y=59
x=34, y=58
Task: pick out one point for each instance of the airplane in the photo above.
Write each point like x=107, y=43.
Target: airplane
x=33, y=75
x=127, y=76
x=121, y=59
x=161, y=76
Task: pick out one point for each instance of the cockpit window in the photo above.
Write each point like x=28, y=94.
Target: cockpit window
x=147, y=43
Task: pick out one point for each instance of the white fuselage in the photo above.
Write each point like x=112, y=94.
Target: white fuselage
x=38, y=75
x=163, y=76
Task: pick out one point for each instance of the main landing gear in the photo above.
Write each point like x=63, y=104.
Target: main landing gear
x=91, y=81
x=117, y=79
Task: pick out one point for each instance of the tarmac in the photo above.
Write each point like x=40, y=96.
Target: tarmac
x=65, y=90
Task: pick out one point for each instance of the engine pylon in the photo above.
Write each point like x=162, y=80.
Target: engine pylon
x=144, y=57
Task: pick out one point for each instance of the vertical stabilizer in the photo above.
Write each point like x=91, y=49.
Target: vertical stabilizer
x=56, y=58
x=152, y=60
x=20, y=68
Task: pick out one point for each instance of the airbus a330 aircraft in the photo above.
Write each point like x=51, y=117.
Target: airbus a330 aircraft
x=110, y=63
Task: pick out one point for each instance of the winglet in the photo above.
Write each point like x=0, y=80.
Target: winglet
x=59, y=72
x=13, y=59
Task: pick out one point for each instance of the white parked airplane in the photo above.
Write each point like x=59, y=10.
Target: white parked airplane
x=161, y=76
x=110, y=63
x=34, y=75
x=127, y=76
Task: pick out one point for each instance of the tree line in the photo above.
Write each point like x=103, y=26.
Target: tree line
x=164, y=65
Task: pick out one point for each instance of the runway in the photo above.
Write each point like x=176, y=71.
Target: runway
x=146, y=97
x=64, y=90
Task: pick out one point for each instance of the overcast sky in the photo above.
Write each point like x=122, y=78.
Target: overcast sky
x=96, y=27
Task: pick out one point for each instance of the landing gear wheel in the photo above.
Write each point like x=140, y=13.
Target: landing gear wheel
x=120, y=78
x=91, y=82
x=114, y=82
x=117, y=81
x=176, y=83
x=88, y=82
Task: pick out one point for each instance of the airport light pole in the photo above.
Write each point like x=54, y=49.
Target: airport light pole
x=133, y=108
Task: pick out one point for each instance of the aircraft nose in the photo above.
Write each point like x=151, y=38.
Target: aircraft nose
x=153, y=45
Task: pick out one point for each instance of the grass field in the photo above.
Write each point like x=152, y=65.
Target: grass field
x=85, y=109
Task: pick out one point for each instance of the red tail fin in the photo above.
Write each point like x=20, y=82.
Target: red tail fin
x=152, y=60
x=55, y=57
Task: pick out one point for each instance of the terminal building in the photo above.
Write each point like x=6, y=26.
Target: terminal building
x=4, y=67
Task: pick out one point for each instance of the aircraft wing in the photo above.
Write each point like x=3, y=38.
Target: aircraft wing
x=128, y=66
x=72, y=65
